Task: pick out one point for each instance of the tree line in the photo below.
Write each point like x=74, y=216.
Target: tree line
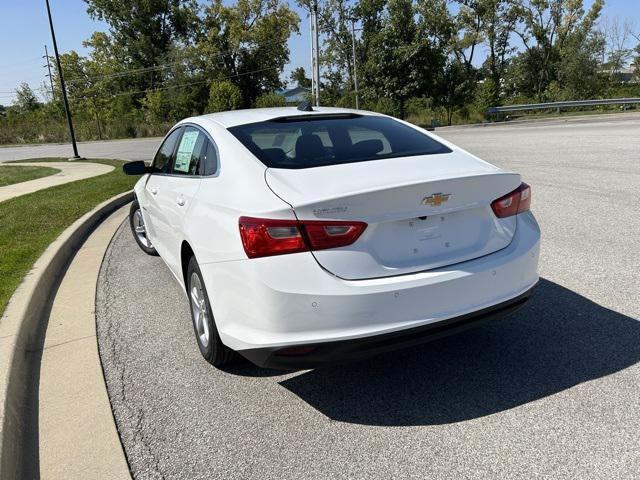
x=443, y=61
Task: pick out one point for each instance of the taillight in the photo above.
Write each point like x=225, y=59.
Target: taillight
x=323, y=235
x=262, y=237
x=513, y=203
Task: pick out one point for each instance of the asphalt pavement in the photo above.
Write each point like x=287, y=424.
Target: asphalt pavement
x=128, y=149
x=552, y=392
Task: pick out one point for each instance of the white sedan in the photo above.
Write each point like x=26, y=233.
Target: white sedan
x=304, y=236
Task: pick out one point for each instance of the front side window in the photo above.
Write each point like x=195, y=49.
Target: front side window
x=162, y=160
x=191, y=152
x=317, y=140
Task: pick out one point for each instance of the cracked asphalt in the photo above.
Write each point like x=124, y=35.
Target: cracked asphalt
x=552, y=392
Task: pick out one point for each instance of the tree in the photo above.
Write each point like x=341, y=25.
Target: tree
x=400, y=62
x=224, y=96
x=89, y=93
x=299, y=77
x=270, y=100
x=552, y=31
x=145, y=29
x=26, y=99
x=334, y=23
x=579, y=72
x=247, y=42
x=468, y=30
x=499, y=24
x=617, y=36
x=455, y=87
x=154, y=107
x=455, y=38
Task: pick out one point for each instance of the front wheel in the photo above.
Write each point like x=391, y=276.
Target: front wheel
x=211, y=347
x=139, y=229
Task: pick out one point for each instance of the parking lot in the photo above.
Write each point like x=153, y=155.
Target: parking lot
x=553, y=391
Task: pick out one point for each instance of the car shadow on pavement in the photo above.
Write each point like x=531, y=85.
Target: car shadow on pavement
x=558, y=340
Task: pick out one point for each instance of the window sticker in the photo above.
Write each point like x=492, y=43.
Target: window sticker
x=185, y=151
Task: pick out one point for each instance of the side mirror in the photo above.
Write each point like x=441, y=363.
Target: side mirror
x=136, y=168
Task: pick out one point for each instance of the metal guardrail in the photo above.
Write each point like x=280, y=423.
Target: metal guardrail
x=559, y=105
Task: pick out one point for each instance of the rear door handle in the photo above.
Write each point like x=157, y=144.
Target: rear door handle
x=180, y=200
x=154, y=191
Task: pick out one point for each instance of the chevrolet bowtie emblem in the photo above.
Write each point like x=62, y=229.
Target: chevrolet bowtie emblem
x=436, y=199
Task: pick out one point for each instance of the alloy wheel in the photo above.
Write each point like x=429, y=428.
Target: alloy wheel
x=199, y=310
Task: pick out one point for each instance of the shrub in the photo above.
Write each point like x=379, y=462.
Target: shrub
x=224, y=96
x=270, y=100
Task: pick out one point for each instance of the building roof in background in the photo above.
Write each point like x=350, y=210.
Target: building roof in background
x=294, y=95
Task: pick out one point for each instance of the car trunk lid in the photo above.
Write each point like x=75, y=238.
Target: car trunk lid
x=423, y=212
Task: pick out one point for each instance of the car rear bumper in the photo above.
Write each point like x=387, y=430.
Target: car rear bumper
x=266, y=304
x=328, y=353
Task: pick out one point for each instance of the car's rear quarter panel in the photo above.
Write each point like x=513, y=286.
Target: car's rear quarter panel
x=237, y=189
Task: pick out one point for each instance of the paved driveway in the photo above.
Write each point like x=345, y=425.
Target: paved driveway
x=553, y=392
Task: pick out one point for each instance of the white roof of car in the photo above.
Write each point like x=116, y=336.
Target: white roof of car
x=254, y=115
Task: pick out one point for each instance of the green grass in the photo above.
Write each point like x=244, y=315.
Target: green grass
x=29, y=223
x=15, y=174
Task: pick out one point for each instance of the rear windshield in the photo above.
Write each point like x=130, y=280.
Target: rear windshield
x=313, y=141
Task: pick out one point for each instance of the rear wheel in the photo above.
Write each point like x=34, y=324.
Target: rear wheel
x=139, y=229
x=211, y=347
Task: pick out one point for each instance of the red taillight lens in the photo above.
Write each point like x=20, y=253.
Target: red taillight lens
x=262, y=237
x=513, y=203
x=323, y=235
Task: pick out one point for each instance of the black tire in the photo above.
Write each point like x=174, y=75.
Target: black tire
x=136, y=222
x=204, y=327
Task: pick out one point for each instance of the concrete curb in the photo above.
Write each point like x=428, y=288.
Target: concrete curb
x=22, y=331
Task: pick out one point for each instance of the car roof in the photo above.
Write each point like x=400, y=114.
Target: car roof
x=241, y=117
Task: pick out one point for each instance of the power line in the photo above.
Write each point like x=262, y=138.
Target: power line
x=182, y=85
x=124, y=73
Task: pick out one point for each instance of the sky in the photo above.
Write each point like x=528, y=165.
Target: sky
x=25, y=30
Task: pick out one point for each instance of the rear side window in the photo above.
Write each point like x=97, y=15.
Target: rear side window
x=162, y=160
x=313, y=141
x=210, y=160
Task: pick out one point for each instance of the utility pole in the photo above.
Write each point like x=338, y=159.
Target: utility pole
x=48, y=65
x=316, y=39
x=67, y=111
x=355, y=66
x=313, y=72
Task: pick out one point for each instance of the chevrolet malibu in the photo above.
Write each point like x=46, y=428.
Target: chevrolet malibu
x=308, y=236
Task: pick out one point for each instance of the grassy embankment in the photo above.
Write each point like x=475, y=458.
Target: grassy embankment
x=29, y=223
